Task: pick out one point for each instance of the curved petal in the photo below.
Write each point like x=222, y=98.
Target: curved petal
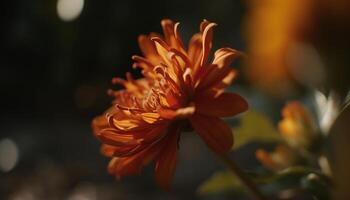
x=150, y=117
x=224, y=83
x=168, y=30
x=213, y=76
x=195, y=51
x=214, y=131
x=99, y=123
x=121, y=151
x=223, y=57
x=133, y=164
x=207, y=41
x=220, y=69
x=125, y=121
x=167, y=113
x=124, y=166
x=146, y=45
x=148, y=134
x=162, y=49
x=166, y=161
x=127, y=151
x=144, y=63
x=151, y=134
x=148, y=49
x=203, y=24
x=178, y=37
x=171, y=34
x=112, y=137
x=225, y=105
x=107, y=150
x=126, y=124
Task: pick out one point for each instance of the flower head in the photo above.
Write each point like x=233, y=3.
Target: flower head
x=297, y=126
x=180, y=85
x=299, y=132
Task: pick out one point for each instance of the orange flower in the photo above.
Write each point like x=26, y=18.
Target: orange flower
x=279, y=159
x=299, y=132
x=297, y=126
x=179, y=86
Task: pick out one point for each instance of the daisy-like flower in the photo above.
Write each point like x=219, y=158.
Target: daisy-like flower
x=179, y=87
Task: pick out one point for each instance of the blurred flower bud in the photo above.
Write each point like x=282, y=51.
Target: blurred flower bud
x=281, y=158
x=297, y=126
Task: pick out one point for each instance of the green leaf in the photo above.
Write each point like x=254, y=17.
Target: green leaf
x=291, y=175
x=255, y=127
x=225, y=181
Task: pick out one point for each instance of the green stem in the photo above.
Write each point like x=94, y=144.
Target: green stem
x=245, y=180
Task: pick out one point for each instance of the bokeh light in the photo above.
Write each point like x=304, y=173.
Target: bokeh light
x=8, y=154
x=69, y=10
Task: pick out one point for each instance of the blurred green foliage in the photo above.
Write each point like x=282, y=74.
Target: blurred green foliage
x=298, y=177
x=255, y=127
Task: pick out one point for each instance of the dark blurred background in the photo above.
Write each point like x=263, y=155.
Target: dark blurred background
x=57, y=60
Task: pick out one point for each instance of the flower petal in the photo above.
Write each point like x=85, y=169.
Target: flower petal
x=144, y=63
x=145, y=134
x=167, y=113
x=112, y=137
x=166, y=162
x=214, y=131
x=225, y=56
x=124, y=166
x=148, y=49
x=195, y=51
x=150, y=134
x=203, y=24
x=133, y=164
x=126, y=124
x=225, y=105
x=127, y=151
x=215, y=73
x=170, y=33
x=99, y=123
x=121, y=151
x=150, y=117
x=107, y=150
x=224, y=83
x=207, y=41
x=213, y=76
x=162, y=49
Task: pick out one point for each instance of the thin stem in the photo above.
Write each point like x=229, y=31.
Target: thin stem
x=245, y=180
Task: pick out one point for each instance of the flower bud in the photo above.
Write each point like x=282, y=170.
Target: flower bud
x=297, y=126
